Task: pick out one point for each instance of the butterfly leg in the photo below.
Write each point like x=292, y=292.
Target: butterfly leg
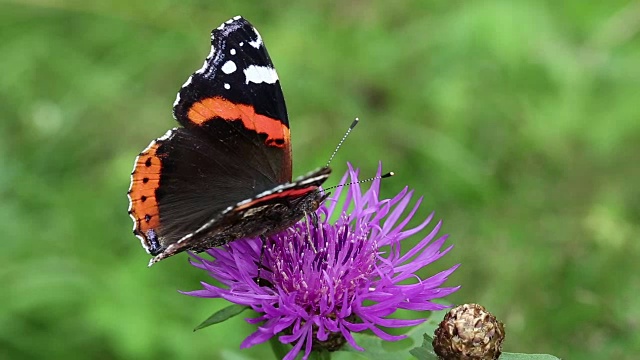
x=262, y=250
x=314, y=219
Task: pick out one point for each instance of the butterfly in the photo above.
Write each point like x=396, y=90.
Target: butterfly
x=226, y=172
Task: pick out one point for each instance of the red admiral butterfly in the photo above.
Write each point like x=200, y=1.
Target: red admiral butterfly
x=226, y=173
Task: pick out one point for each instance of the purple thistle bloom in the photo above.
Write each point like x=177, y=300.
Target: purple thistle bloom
x=330, y=279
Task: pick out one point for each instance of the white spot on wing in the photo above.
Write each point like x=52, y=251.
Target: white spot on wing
x=256, y=44
x=238, y=17
x=241, y=43
x=260, y=74
x=229, y=67
x=232, y=51
x=227, y=86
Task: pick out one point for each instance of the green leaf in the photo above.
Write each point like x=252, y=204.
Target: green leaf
x=426, y=350
x=222, y=315
x=320, y=355
x=279, y=349
x=516, y=356
x=348, y=355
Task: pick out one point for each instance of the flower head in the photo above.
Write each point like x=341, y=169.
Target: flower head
x=469, y=332
x=330, y=278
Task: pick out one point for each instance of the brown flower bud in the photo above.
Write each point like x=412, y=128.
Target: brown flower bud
x=469, y=332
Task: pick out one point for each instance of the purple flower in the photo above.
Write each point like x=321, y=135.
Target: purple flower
x=330, y=279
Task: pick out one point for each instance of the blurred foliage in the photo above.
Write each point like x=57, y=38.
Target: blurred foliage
x=518, y=121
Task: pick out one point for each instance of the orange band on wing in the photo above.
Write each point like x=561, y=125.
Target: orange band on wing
x=145, y=179
x=209, y=108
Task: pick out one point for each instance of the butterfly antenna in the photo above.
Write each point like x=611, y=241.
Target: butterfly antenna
x=346, y=134
x=384, y=176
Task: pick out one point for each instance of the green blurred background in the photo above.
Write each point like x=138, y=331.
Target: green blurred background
x=519, y=121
